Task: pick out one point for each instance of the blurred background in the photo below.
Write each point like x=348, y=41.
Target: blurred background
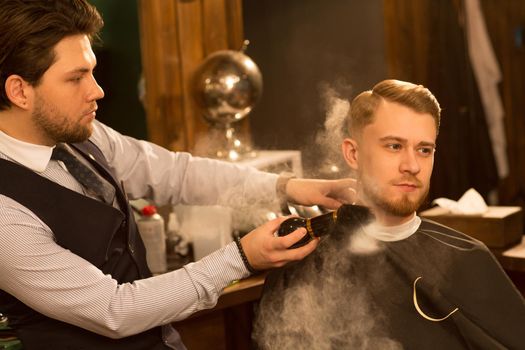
x=305, y=48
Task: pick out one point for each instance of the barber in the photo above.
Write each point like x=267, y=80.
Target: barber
x=73, y=272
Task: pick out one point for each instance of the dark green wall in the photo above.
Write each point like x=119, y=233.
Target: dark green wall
x=119, y=67
x=302, y=46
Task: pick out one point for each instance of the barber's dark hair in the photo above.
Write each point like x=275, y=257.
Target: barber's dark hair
x=415, y=97
x=29, y=31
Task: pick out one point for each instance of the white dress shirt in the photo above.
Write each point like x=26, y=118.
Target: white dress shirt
x=59, y=284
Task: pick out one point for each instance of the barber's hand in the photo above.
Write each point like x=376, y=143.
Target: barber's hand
x=265, y=251
x=327, y=193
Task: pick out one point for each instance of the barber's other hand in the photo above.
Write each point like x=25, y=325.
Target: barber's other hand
x=327, y=193
x=265, y=251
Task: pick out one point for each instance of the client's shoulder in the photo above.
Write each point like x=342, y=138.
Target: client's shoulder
x=448, y=235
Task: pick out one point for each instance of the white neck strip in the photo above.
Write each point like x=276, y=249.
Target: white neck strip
x=393, y=233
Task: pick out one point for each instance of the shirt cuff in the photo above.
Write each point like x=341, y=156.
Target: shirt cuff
x=225, y=266
x=280, y=186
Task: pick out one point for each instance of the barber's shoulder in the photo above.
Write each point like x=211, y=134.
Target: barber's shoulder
x=103, y=137
x=14, y=213
x=98, y=132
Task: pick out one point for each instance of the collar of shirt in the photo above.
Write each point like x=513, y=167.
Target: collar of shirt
x=34, y=157
x=393, y=233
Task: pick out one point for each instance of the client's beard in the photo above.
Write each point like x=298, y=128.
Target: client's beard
x=400, y=207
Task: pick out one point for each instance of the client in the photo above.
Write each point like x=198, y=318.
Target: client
x=384, y=278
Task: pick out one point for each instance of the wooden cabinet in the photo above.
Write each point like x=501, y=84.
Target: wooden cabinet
x=229, y=324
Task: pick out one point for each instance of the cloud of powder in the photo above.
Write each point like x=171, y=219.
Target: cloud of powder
x=325, y=153
x=326, y=308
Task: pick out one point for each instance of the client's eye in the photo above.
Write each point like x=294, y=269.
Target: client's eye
x=394, y=146
x=426, y=151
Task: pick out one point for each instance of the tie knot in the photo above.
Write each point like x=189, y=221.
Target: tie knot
x=61, y=153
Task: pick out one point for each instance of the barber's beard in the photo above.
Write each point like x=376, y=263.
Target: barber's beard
x=399, y=207
x=57, y=126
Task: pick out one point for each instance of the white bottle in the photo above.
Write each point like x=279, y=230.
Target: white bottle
x=151, y=228
x=172, y=233
x=178, y=246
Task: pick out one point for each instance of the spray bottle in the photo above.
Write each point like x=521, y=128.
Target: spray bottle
x=151, y=228
x=179, y=247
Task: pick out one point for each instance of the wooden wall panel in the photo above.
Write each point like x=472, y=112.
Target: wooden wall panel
x=506, y=25
x=176, y=36
x=190, y=35
x=407, y=45
x=161, y=66
x=215, y=27
x=234, y=18
x=426, y=45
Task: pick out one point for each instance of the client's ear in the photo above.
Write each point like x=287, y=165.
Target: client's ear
x=350, y=152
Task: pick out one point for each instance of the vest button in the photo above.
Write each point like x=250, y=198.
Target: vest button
x=131, y=249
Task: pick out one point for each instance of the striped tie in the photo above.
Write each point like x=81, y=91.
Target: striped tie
x=92, y=182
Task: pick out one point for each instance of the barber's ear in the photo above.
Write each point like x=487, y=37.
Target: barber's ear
x=350, y=152
x=19, y=91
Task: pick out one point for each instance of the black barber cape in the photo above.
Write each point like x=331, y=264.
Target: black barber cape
x=437, y=289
